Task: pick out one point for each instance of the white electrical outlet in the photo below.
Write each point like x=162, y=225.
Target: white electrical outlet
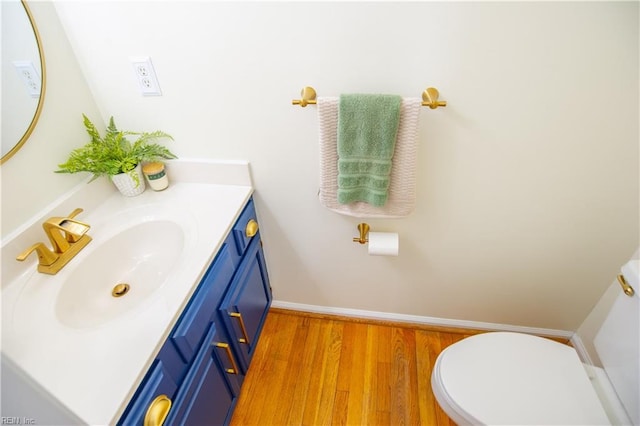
x=146, y=76
x=29, y=76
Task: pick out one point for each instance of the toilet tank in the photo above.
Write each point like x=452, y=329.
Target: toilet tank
x=618, y=344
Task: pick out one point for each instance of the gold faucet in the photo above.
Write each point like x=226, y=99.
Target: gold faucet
x=67, y=236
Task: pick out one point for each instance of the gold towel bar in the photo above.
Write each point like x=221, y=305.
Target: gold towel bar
x=308, y=95
x=429, y=98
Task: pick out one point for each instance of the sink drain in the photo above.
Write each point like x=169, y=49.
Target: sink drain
x=120, y=290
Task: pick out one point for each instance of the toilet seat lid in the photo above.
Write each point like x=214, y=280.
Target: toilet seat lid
x=513, y=378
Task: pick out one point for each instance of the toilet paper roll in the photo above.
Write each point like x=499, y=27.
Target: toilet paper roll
x=383, y=244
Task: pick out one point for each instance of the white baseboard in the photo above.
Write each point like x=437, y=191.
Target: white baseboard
x=416, y=319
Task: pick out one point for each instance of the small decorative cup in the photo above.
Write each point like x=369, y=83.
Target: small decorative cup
x=156, y=175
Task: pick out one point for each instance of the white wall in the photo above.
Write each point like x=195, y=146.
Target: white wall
x=28, y=183
x=528, y=181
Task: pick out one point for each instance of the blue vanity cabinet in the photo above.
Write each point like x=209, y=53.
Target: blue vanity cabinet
x=247, y=302
x=201, y=366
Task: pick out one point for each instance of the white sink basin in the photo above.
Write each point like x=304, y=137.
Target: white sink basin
x=139, y=258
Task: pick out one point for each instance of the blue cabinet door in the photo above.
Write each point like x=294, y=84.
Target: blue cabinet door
x=245, y=306
x=157, y=383
x=188, y=334
x=205, y=397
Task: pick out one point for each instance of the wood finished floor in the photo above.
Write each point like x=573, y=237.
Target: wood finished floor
x=323, y=370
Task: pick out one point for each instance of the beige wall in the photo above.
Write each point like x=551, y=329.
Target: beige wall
x=528, y=181
x=28, y=183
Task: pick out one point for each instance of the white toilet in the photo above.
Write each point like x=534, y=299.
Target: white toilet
x=504, y=378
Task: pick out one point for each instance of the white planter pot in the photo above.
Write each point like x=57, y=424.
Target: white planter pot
x=131, y=183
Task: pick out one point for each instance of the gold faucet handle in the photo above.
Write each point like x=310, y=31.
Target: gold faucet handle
x=74, y=229
x=75, y=213
x=45, y=256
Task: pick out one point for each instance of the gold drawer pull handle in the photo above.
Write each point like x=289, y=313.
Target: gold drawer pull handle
x=251, y=229
x=628, y=290
x=242, y=327
x=234, y=368
x=158, y=411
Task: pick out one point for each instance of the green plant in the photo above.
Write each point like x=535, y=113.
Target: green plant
x=114, y=153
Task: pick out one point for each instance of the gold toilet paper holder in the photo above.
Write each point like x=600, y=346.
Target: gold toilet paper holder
x=363, y=228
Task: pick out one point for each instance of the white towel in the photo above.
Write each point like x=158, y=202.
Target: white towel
x=402, y=187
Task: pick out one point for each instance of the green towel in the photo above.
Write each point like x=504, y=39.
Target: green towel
x=367, y=129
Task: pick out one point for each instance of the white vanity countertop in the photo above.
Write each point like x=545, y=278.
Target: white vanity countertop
x=94, y=371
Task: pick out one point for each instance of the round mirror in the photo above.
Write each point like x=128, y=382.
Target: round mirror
x=23, y=77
